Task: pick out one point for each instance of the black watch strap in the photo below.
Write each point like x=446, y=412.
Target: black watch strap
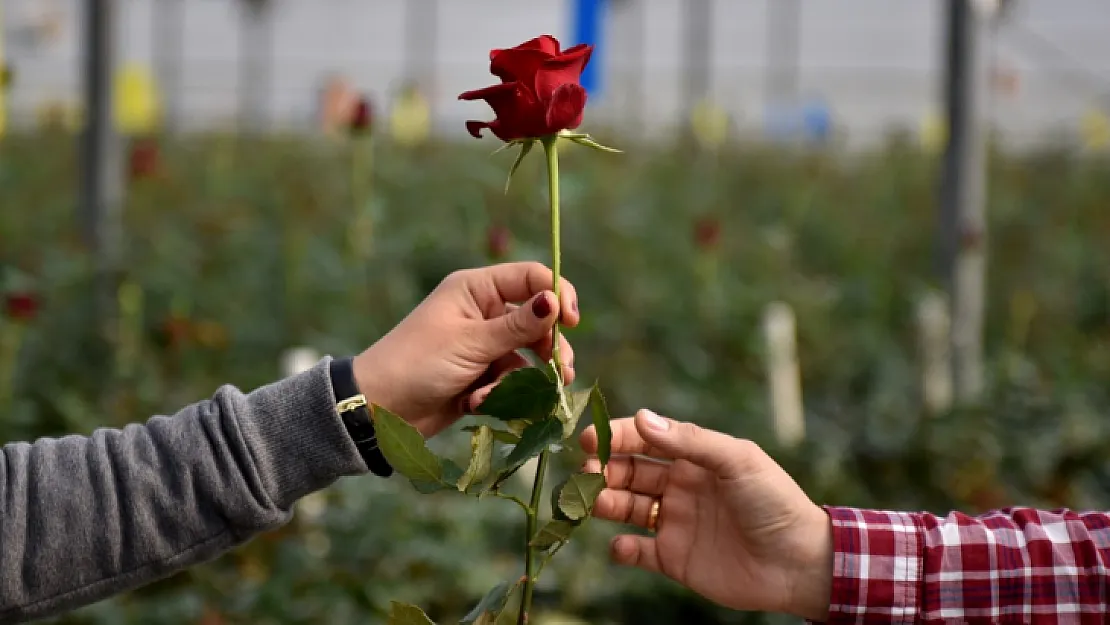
x=355, y=412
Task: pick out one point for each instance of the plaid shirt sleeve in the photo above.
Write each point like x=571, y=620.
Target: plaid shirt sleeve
x=1016, y=565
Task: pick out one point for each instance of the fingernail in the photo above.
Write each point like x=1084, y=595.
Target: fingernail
x=541, y=308
x=655, y=422
x=574, y=306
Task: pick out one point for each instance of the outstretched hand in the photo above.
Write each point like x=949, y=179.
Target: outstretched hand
x=731, y=524
x=450, y=351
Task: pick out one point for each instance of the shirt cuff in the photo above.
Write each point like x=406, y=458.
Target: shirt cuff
x=877, y=566
x=298, y=437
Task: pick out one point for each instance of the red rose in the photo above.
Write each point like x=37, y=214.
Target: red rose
x=539, y=94
x=175, y=331
x=21, y=306
x=143, y=161
x=361, y=116
x=498, y=242
x=707, y=233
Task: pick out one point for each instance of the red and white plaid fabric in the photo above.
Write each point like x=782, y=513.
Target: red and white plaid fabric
x=1016, y=565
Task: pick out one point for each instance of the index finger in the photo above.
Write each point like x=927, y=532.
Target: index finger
x=626, y=439
x=517, y=282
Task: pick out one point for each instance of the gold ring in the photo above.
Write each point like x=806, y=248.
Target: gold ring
x=653, y=518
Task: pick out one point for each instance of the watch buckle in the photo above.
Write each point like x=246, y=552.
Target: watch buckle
x=351, y=403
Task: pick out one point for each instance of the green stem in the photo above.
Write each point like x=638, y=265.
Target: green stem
x=362, y=228
x=551, y=151
x=517, y=500
x=530, y=572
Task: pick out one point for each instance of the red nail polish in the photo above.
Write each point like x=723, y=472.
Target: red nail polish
x=541, y=307
x=574, y=306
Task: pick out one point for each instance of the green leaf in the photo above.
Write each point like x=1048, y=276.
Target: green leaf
x=491, y=604
x=403, y=446
x=523, y=394
x=562, y=407
x=577, y=402
x=502, y=475
x=553, y=533
x=481, y=458
x=517, y=426
x=556, y=513
x=506, y=616
x=407, y=614
x=448, y=481
x=500, y=436
x=601, y=424
x=509, y=144
x=578, y=494
x=535, y=439
x=588, y=141
x=524, y=150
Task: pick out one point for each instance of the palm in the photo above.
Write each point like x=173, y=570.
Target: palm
x=731, y=524
x=696, y=541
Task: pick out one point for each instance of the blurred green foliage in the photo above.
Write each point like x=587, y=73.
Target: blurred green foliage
x=238, y=252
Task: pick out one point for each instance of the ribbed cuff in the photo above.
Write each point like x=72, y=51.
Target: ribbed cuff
x=299, y=440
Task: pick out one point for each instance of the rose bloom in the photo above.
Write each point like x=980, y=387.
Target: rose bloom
x=361, y=116
x=21, y=306
x=540, y=92
x=143, y=159
x=707, y=233
x=498, y=241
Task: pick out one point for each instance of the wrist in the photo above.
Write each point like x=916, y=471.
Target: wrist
x=366, y=378
x=812, y=590
x=354, y=408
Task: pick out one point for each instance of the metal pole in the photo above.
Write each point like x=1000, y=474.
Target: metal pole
x=101, y=188
x=255, y=48
x=784, y=21
x=169, y=51
x=963, y=196
x=699, y=49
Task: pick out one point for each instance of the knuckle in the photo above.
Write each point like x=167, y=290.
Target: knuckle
x=691, y=433
x=628, y=509
x=749, y=454
x=748, y=447
x=457, y=276
x=516, y=325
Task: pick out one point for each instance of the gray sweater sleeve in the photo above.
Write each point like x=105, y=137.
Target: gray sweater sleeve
x=83, y=518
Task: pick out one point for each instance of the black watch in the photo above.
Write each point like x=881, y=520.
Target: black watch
x=355, y=412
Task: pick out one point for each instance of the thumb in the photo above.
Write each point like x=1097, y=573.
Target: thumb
x=723, y=455
x=521, y=327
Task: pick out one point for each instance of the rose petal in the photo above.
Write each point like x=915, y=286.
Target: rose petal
x=565, y=109
x=493, y=91
x=475, y=127
x=563, y=69
x=519, y=65
x=543, y=43
x=519, y=113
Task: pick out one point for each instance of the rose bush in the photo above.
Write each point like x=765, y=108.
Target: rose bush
x=793, y=226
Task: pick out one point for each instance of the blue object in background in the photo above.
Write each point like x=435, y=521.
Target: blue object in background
x=589, y=27
x=818, y=120
x=810, y=120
